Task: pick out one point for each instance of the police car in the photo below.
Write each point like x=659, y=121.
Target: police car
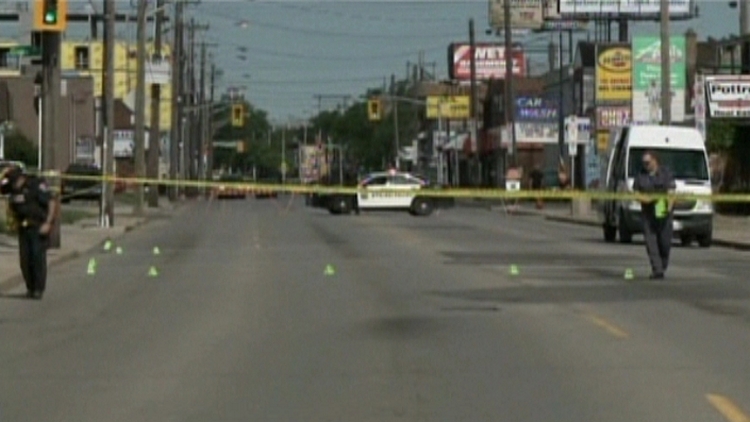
x=391, y=190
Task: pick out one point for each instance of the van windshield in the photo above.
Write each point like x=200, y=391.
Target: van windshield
x=685, y=164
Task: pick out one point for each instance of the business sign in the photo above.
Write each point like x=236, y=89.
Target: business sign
x=524, y=14
x=612, y=117
x=647, y=79
x=641, y=9
x=614, y=73
x=448, y=107
x=728, y=96
x=536, y=109
x=489, y=58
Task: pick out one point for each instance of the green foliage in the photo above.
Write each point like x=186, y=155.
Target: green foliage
x=720, y=135
x=20, y=148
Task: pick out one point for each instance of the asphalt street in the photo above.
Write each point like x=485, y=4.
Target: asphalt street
x=420, y=320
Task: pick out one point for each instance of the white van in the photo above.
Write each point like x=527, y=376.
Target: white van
x=683, y=151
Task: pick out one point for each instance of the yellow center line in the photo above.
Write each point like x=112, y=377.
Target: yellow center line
x=608, y=326
x=727, y=408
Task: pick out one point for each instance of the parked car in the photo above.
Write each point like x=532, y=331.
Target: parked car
x=89, y=189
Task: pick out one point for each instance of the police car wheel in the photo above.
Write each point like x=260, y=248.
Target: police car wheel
x=422, y=207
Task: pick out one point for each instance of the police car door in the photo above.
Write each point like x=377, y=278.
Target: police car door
x=402, y=187
x=373, y=195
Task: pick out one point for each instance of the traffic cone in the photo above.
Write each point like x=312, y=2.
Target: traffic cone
x=628, y=274
x=156, y=250
x=514, y=269
x=329, y=270
x=118, y=250
x=107, y=245
x=153, y=272
x=91, y=270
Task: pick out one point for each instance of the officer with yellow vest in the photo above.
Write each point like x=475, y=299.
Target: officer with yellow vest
x=657, y=212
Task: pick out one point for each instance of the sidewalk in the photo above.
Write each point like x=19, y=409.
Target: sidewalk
x=729, y=231
x=76, y=239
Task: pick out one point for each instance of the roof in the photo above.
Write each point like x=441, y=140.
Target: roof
x=653, y=136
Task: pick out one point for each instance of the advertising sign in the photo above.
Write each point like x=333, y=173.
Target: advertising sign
x=614, y=73
x=536, y=109
x=489, y=58
x=728, y=96
x=524, y=14
x=612, y=117
x=448, y=107
x=647, y=79
x=641, y=9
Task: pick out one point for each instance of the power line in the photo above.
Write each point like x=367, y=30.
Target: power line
x=298, y=56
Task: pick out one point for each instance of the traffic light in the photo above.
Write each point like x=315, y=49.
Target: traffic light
x=50, y=15
x=238, y=115
x=373, y=110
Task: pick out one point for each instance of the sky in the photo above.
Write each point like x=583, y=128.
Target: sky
x=286, y=52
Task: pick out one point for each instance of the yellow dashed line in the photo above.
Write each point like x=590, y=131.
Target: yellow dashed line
x=608, y=326
x=727, y=408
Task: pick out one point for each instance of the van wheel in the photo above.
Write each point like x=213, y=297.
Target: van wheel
x=610, y=233
x=626, y=236
x=704, y=240
x=422, y=207
x=686, y=240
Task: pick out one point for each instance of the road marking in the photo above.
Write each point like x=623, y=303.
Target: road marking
x=727, y=408
x=608, y=326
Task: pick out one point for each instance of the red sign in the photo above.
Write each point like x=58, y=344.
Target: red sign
x=489, y=58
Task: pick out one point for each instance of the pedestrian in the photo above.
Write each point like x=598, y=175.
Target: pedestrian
x=537, y=178
x=656, y=212
x=34, y=211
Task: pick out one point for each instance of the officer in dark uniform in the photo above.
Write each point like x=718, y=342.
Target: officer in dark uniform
x=34, y=210
x=657, y=212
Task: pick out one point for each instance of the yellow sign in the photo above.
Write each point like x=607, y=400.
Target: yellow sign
x=449, y=107
x=614, y=73
x=602, y=141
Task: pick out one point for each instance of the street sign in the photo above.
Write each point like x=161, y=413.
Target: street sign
x=25, y=50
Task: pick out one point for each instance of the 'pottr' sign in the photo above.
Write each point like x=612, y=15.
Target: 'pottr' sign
x=728, y=96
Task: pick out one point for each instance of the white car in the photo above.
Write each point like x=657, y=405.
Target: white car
x=391, y=190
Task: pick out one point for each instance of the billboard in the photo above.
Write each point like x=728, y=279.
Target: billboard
x=647, y=79
x=614, y=73
x=524, y=14
x=536, y=109
x=728, y=96
x=641, y=9
x=490, y=61
x=448, y=107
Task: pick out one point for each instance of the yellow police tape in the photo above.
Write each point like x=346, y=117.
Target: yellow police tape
x=438, y=192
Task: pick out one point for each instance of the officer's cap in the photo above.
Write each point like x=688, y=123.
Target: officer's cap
x=10, y=175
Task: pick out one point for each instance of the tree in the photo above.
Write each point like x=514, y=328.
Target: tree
x=254, y=130
x=20, y=148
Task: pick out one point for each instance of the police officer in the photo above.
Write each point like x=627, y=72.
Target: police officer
x=657, y=212
x=34, y=211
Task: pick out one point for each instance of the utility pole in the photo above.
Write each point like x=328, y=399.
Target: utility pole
x=666, y=68
x=510, y=111
x=192, y=150
x=178, y=70
x=109, y=113
x=140, y=107
x=473, y=76
x=154, y=145
x=205, y=114
x=210, y=119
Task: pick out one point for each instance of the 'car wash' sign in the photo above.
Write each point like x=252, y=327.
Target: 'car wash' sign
x=728, y=96
x=536, y=109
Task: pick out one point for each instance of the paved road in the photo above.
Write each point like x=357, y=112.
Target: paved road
x=420, y=322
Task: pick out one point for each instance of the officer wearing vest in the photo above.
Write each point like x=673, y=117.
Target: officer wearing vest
x=656, y=212
x=34, y=210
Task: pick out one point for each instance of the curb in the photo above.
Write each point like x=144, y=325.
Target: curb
x=572, y=220
x=16, y=280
